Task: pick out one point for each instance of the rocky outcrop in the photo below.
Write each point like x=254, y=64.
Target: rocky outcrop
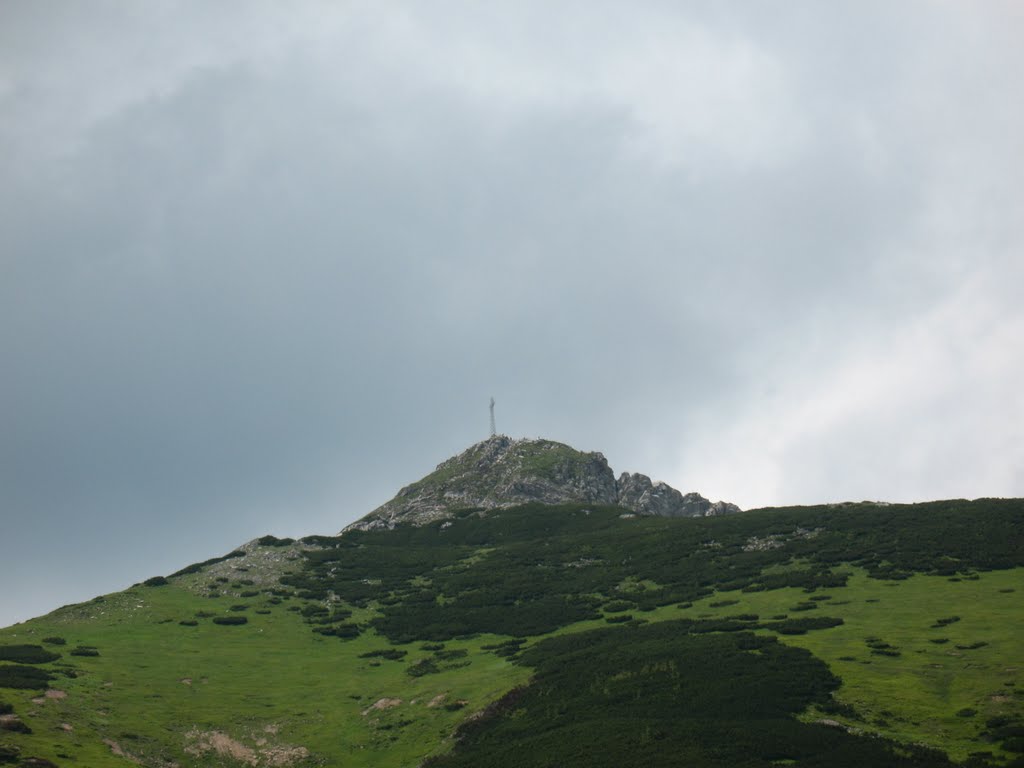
x=638, y=493
x=502, y=472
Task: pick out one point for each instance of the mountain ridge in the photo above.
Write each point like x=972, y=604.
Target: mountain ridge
x=503, y=472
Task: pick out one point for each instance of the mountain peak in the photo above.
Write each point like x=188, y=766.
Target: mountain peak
x=504, y=472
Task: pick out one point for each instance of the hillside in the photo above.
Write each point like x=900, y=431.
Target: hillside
x=540, y=633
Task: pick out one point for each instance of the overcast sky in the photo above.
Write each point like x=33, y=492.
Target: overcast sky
x=262, y=264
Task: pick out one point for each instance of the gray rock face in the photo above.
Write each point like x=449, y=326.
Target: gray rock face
x=502, y=472
x=638, y=493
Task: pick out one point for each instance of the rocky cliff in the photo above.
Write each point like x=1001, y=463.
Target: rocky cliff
x=502, y=472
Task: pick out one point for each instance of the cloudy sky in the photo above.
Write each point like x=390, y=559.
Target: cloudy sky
x=261, y=264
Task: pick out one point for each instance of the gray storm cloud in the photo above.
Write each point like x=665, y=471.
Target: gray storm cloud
x=259, y=267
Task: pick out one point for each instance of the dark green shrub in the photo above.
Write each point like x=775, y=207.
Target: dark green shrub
x=972, y=646
x=423, y=667
x=239, y=607
x=263, y=611
x=19, y=676
x=455, y=706
x=27, y=654
x=5, y=708
x=84, y=650
x=197, y=567
x=620, y=618
x=156, y=581
x=945, y=622
x=189, y=623
x=617, y=606
x=439, y=646
x=250, y=593
x=273, y=541
x=230, y=620
x=722, y=603
x=966, y=712
x=455, y=653
x=8, y=754
x=15, y=725
x=392, y=654
x=801, y=626
x=344, y=631
x=806, y=606
x=939, y=640
x=204, y=614
x=55, y=641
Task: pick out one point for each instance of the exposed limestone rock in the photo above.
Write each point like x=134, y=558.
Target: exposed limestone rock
x=638, y=493
x=502, y=472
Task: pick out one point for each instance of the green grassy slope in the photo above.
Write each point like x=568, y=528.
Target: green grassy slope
x=159, y=689
x=467, y=611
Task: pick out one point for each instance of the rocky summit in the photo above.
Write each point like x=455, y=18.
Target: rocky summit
x=502, y=472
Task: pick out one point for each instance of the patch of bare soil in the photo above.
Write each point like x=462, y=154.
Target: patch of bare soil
x=281, y=756
x=274, y=755
x=67, y=727
x=437, y=701
x=220, y=743
x=117, y=750
x=53, y=693
x=186, y=681
x=382, y=704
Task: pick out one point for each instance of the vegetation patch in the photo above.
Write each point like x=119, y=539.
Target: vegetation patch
x=423, y=667
x=21, y=676
x=230, y=620
x=27, y=654
x=450, y=655
x=613, y=697
x=392, y=654
x=197, y=567
x=343, y=631
x=273, y=541
x=621, y=618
